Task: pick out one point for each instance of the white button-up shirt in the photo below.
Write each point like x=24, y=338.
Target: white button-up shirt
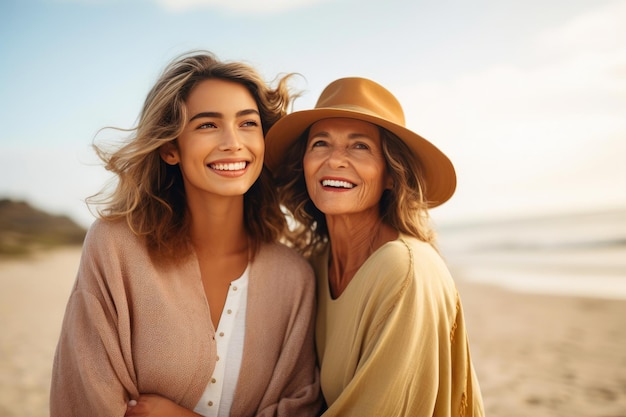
x=218, y=396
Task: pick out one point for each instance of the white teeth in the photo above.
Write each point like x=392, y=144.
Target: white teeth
x=337, y=184
x=233, y=166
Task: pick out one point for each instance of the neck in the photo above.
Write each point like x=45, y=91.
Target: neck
x=353, y=240
x=217, y=226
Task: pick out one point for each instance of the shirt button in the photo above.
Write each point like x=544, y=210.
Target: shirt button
x=210, y=403
x=213, y=380
x=222, y=334
x=229, y=311
x=235, y=288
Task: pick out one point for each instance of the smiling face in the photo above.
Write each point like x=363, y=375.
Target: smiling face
x=344, y=167
x=220, y=151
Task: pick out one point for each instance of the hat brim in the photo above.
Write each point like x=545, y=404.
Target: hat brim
x=439, y=176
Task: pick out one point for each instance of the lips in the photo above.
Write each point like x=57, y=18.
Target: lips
x=338, y=184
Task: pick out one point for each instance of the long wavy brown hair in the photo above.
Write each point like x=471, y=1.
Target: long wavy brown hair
x=403, y=207
x=149, y=194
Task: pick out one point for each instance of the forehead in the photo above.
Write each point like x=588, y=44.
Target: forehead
x=216, y=92
x=345, y=126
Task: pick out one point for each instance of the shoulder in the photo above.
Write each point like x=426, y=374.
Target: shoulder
x=111, y=238
x=398, y=257
x=281, y=284
x=406, y=247
x=407, y=260
x=423, y=254
x=430, y=272
x=410, y=252
x=106, y=229
x=283, y=263
x=280, y=254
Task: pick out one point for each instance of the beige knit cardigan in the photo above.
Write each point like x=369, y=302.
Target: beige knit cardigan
x=132, y=327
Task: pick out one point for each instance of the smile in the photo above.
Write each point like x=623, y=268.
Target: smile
x=232, y=166
x=337, y=184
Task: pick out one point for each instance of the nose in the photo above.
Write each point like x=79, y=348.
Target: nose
x=337, y=157
x=230, y=140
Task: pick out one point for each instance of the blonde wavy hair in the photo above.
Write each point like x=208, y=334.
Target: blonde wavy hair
x=149, y=194
x=403, y=207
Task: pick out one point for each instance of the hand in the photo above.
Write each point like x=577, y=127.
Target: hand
x=150, y=405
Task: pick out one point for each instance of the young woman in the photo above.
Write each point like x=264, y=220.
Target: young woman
x=391, y=336
x=183, y=300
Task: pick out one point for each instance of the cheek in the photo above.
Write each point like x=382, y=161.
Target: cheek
x=190, y=149
x=309, y=176
x=308, y=168
x=376, y=182
x=258, y=145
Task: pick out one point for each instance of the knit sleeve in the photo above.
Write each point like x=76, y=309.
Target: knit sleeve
x=405, y=360
x=92, y=371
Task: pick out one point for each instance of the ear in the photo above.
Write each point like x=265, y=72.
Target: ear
x=169, y=153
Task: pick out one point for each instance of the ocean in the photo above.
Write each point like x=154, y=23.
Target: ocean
x=579, y=254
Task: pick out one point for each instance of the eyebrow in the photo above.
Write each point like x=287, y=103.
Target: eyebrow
x=218, y=115
x=351, y=136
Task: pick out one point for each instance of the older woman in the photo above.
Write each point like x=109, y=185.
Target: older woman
x=391, y=336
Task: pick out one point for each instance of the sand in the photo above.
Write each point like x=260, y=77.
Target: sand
x=33, y=293
x=545, y=355
x=535, y=355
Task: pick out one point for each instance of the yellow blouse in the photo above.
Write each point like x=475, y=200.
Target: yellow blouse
x=395, y=343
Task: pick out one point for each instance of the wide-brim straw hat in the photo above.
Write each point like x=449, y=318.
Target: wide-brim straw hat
x=363, y=99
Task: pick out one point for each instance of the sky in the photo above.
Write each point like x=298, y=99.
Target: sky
x=526, y=97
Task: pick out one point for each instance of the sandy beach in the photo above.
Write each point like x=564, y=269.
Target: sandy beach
x=535, y=355
x=33, y=293
x=545, y=355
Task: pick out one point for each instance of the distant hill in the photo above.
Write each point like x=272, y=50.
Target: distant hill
x=24, y=229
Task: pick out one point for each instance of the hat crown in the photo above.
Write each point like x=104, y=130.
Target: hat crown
x=363, y=96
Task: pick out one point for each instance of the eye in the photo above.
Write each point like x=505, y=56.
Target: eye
x=207, y=125
x=361, y=145
x=318, y=143
x=250, y=123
